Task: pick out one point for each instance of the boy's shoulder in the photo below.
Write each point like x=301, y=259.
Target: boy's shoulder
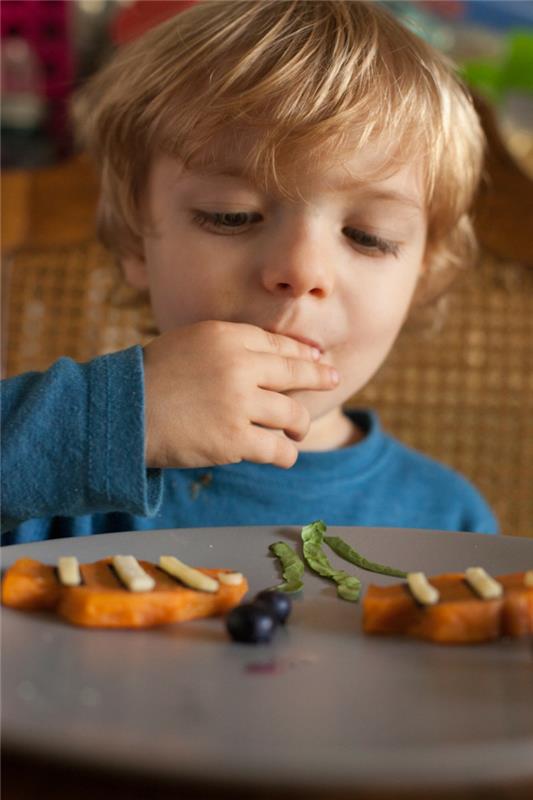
x=415, y=465
x=425, y=479
x=401, y=456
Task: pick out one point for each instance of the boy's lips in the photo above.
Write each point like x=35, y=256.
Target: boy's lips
x=302, y=339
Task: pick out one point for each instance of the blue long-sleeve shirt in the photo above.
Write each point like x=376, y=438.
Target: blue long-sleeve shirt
x=73, y=465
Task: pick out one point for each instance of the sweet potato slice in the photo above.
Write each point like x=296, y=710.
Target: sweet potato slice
x=31, y=585
x=103, y=602
x=460, y=616
x=517, y=611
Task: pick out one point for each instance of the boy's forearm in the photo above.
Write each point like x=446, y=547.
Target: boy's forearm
x=73, y=441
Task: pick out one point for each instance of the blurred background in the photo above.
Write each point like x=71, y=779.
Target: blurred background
x=50, y=46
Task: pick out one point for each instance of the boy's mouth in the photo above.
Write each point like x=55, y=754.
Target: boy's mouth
x=302, y=339
x=310, y=342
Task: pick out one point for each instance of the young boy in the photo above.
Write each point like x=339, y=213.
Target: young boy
x=287, y=180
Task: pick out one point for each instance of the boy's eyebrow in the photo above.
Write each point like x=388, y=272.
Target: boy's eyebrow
x=212, y=170
x=397, y=197
x=388, y=195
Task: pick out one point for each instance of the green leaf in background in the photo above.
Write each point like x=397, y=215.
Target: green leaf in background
x=292, y=567
x=517, y=69
x=514, y=72
x=348, y=587
x=485, y=76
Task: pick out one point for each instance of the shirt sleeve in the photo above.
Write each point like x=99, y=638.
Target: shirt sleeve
x=73, y=441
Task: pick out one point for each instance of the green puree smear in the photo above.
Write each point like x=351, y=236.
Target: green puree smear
x=292, y=567
x=348, y=587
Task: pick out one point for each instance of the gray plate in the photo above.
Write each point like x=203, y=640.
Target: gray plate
x=322, y=705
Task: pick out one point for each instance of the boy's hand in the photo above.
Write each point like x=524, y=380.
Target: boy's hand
x=214, y=389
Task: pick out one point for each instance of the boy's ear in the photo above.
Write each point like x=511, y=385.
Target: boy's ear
x=135, y=272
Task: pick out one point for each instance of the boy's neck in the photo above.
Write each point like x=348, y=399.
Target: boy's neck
x=331, y=432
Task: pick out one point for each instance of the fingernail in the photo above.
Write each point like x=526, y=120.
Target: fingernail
x=315, y=352
x=334, y=375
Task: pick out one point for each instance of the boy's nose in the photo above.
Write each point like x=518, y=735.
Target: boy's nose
x=296, y=268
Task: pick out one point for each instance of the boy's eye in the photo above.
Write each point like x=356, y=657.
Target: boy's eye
x=371, y=243
x=229, y=222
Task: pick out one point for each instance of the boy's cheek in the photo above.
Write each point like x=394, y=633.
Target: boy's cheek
x=171, y=309
x=135, y=273
x=356, y=367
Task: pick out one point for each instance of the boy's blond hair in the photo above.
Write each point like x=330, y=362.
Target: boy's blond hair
x=307, y=78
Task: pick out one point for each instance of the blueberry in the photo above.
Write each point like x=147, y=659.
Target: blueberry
x=278, y=603
x=251, y=623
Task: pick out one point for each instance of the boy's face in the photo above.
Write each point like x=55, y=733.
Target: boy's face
x=337, y=268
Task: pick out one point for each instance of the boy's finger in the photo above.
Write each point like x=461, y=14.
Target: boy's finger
x=283, y=374
x=263, y=341
x=274, y=410
x=267, y=447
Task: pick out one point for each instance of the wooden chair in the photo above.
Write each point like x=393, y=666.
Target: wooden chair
x=463, y=394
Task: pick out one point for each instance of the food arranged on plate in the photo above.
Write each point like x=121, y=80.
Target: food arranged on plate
x=313, y=538
x=454, y=608
x=121, y=592
x=255, y=623
x=450, y=609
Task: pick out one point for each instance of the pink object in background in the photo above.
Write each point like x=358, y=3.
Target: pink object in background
x=449, y=9
x=135, y=19
x=45, y=26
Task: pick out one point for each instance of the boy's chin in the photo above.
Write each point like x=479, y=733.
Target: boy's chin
x=320, y=403
x=330, y=428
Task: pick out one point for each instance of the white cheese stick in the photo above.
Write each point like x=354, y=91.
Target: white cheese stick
x=482, y=583
x=230, y=578
x=528, y=579
x=68, y=570
x=188, y=575
x=132, y=574
x=421, y=589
